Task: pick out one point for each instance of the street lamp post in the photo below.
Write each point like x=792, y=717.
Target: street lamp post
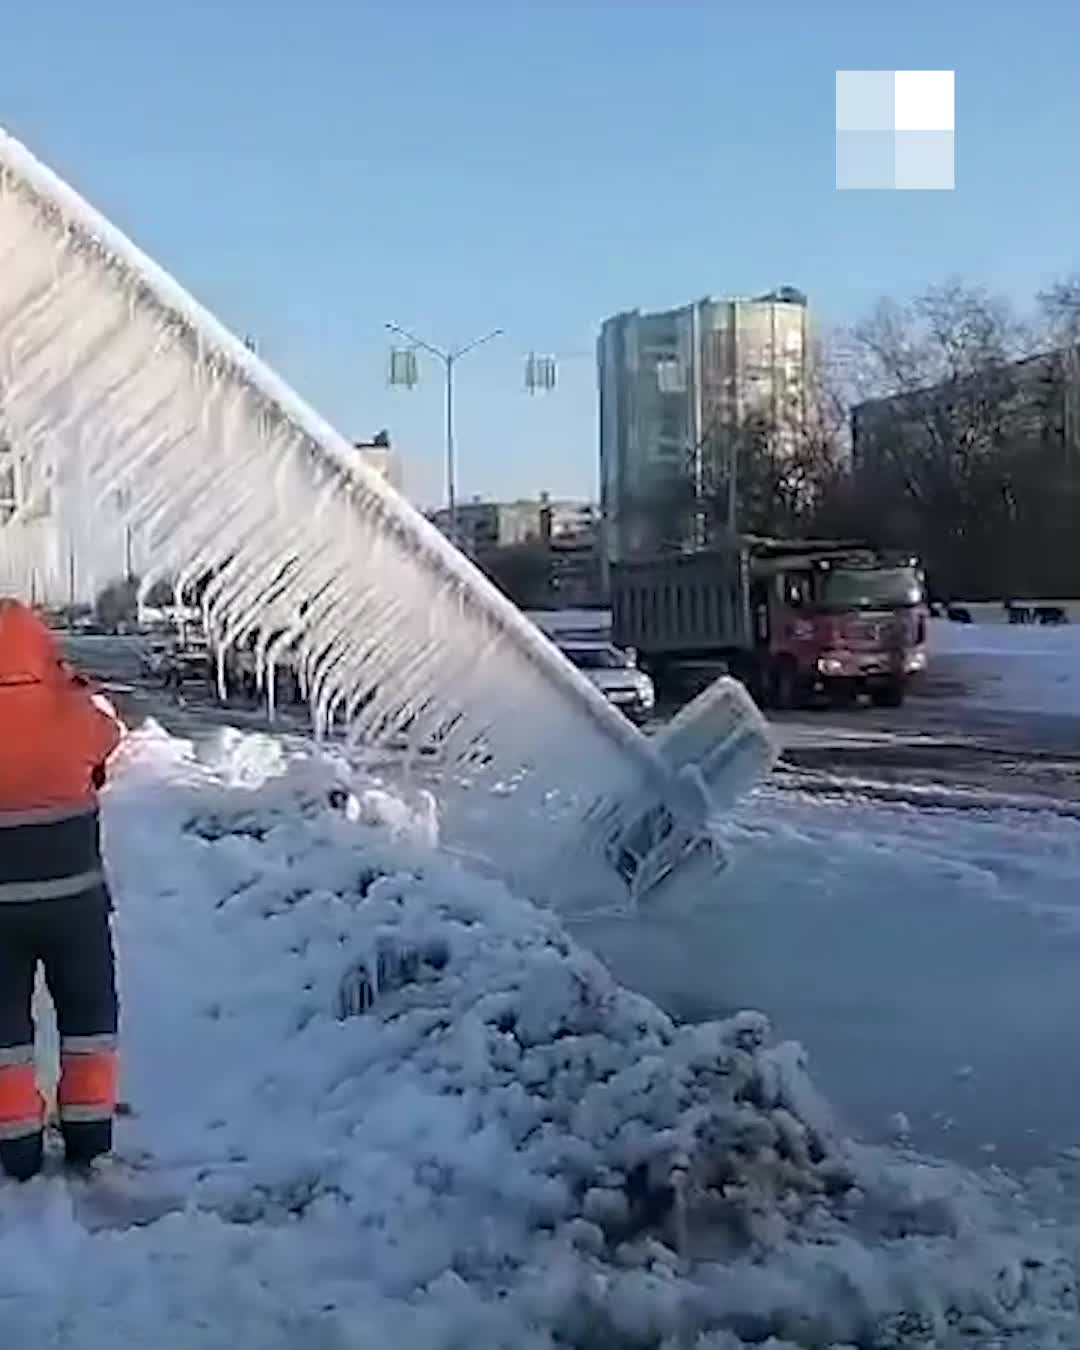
x=449, y=359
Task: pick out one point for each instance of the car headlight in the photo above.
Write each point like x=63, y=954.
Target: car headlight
x=830, y=665
x=916, y=661
x=646, y=692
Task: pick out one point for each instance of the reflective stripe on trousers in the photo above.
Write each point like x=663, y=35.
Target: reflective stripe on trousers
x=49, y=853
x=22, y=1109
x=88, y=1078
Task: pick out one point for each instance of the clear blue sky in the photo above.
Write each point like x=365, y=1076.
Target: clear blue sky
x=311, y=169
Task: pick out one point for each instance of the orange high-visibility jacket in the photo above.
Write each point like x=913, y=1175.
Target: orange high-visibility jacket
x=54, y=742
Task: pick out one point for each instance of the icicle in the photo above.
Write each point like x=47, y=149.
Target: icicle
x=110, y=373
x=271, y=693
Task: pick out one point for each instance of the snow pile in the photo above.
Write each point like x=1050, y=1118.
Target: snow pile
x=1025, y=668
x=402, y=1106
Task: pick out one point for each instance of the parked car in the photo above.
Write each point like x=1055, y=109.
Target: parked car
x=615, y=673
x=177, y=661
x=154, y=658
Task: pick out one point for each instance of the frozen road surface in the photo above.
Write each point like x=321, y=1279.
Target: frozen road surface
x=917, y=933
x=928, y=959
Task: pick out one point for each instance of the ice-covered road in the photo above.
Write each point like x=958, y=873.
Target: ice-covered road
x=929, y=959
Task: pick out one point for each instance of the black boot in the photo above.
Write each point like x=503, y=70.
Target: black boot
x=21, y=1158
x=85, y=1140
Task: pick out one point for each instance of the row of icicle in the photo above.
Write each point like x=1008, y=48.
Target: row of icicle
x=112, y=375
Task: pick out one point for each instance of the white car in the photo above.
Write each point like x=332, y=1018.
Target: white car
x=615, y=674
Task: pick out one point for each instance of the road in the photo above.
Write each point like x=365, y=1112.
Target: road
x=940, y=738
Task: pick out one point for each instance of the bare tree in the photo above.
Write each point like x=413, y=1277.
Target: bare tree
x=523, y=572
x=1048, y=482
x=788, y=458
x=660, y=517
x=1059, y=311
x=1059, y=308
x=117, y=603
x=944, y=390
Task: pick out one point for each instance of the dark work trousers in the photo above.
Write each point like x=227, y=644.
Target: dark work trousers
x=72, y=939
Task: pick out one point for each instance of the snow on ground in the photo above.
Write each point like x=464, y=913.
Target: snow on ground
x=393, y=1104
x=1022, y=667
x=925, y=953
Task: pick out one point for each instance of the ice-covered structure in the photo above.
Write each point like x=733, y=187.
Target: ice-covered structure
x=116, y=384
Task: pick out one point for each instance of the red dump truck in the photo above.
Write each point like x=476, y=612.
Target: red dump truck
x=790, y=619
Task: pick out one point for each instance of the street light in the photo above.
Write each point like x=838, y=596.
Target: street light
x=449, y=360
x=540, y=373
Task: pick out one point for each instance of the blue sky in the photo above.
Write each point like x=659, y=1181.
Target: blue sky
x=312, y=169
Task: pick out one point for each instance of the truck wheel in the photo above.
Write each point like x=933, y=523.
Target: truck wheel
x=889, y=695
x=785, y=685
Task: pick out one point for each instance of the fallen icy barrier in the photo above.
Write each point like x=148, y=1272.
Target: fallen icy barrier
x=130, y=415
x=500, y=1148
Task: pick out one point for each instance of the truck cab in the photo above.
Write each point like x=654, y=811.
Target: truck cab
x=841, y=625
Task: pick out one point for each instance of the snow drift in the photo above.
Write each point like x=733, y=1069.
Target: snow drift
x=392, y=1104
x=116, y=386
x=1021, y=668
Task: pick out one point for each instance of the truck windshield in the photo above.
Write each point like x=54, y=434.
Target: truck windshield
x=870, y=588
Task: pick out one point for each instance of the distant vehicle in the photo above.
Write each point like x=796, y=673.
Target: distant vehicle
x=189, y=663
x=790, y=619
x=569, y=626
x=959, y=614
x=616, y=675
x=153, y=658
x=243, y=678
x=177, y=661
x=1027, y=613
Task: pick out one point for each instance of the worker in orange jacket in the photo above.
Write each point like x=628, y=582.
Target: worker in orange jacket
x=54, y=904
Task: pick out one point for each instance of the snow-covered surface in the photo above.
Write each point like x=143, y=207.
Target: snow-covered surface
x=993, y=613
x=925, y=950
x=1022, y=667
x=504, y=1149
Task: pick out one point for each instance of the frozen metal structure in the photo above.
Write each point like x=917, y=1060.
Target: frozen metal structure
x=114, y=381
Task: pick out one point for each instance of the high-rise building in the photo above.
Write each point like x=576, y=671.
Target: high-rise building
x=676, y=388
